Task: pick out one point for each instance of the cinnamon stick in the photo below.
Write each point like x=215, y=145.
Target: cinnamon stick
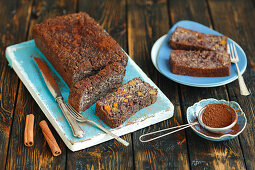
x=29, y=130
x=56, y=151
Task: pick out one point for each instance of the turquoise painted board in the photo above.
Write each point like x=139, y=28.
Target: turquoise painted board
x=20, y=58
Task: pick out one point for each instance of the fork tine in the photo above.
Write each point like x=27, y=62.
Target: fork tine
x=72, y=113
x=232, y=55
x=81, y=118
x=236, y=56
x=228, y=49
x=73, y=110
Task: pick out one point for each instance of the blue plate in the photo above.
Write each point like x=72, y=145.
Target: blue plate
x=234, y=131
x=164, y=53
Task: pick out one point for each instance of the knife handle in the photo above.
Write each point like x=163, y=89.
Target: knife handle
x=77, y=131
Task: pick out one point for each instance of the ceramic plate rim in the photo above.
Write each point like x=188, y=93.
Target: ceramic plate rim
x=154, y=57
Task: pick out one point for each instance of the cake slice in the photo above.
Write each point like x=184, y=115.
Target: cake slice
x=86, y=92
x=200, y=63
x=77, y=46
x=185, y=39
x=118, y=106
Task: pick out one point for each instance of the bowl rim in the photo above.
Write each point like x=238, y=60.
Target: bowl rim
x=217, y=130
x=226, y=136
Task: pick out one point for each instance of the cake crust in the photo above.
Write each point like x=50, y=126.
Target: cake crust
x=200, y=63
x=77, y=46
x=185, y=39
x=86, y=92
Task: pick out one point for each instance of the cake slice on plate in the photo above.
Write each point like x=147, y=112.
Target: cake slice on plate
x=200, y=63
x=185, y=39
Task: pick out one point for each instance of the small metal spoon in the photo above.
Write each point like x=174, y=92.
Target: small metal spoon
x=159, y=131
x=199, y=116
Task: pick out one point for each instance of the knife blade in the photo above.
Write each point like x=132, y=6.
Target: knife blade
x=48, y=78
x=54, y=89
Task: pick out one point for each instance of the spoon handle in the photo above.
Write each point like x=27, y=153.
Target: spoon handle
x=181, y=127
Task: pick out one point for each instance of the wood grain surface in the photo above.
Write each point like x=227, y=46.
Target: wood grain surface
x=39, y=156
x=14, y=23
x=147, y=21
x=238, y=17
x=204, y=153
x=135, y=25
x=111, y=154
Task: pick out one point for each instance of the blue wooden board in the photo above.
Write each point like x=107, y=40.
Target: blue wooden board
x=20, y=58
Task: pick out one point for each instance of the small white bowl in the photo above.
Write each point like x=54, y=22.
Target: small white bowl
x=223, y=129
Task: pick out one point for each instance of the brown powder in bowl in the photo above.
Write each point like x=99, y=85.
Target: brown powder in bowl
x=217, y=115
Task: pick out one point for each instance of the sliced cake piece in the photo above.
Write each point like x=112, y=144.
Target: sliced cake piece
x=185, y=39
x=118, y=106
x=86, y=92
x=200, y=63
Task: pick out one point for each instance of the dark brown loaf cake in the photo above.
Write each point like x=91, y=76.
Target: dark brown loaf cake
x=200, y=63
x=185, y=39
x=77, y=46
x=118, y=106
x=86, y=92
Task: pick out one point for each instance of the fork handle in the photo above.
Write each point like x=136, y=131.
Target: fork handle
x=243, y=88
x=109, y=133
x=76, y=129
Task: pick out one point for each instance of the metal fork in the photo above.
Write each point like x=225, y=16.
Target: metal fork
x=234, y=59
x=76, y=129
x=81, y=118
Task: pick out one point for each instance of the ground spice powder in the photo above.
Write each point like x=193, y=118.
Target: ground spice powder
x=217, y=115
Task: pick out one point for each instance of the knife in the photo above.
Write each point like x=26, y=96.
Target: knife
x=53, y=88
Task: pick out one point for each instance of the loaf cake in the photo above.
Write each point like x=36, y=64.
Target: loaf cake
x=185, y=39
x=86, y=92
x=118, y=106
x=77, y=46
x=200, y=63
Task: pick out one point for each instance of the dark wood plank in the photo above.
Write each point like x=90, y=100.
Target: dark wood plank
x=204, y=153
x=147, y=21
x=237, y=21
x=12, y=14
x=111, y=15
x=45, y=9
x=109, y=155
x=189, y=10
x=39, y=156
x=8, y=89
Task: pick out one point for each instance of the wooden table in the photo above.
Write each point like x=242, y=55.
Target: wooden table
x=136, y=25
